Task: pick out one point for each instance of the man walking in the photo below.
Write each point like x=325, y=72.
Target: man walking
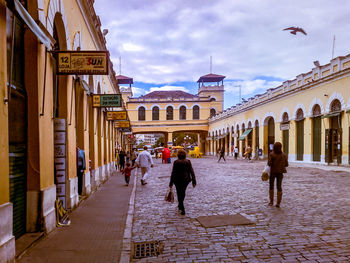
x=144, y=160
x=222, y=154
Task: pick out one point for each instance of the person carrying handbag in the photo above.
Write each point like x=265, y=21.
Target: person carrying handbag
x=278, y=162
x=181, y=175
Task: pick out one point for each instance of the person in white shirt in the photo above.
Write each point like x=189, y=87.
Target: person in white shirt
x=144, y=160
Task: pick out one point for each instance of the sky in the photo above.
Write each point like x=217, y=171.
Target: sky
x=167, y=44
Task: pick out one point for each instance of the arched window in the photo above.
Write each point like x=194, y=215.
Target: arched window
x=299, y=115
x=249, y=125
x=212, y=112
x=335, y=106
x=195, y=112
x=285, y=117
x=155, y=113
x=142, y=114
x=182, y=113
x=316, y=111
x=169, y=113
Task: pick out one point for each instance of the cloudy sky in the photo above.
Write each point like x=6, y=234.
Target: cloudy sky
x=167, y=44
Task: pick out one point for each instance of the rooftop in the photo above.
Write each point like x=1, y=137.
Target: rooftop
x=164, y=94
x=124, y=80
x=211, y=78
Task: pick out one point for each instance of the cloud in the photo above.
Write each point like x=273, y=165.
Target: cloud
x=171, y=41
x=249, y=87
x=168, y=88
x=138, y=91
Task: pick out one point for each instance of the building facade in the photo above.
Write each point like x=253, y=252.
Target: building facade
x=46, y=117
x=309, y=115
x=167, y=112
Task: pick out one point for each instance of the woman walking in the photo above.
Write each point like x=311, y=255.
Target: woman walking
x=181, y=175
x=278, y=162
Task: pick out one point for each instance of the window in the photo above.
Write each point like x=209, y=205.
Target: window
x=142, y=114
x=300, y=115
x=155, y=113
x=316, y=111
x=196, y=112
x=182, y=113
x=169, y=113
x=285, y=117
x=212, y=112
x=335, y=106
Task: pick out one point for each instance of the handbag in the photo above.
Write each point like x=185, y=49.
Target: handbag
x=169, y=196
x=266, y=173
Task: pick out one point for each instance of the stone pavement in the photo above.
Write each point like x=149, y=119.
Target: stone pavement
x=96, y=231
x=312, y=224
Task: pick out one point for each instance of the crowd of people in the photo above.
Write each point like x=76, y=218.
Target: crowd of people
x=183, y=173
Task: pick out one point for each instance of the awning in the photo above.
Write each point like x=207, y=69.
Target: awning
x=33, y=26
x=330, y=115
x=245, y=133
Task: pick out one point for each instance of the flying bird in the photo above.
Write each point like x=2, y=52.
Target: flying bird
x=294, y=30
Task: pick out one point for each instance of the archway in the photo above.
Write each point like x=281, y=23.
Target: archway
x=300, y=134
x=270, y=134
x=285, y=132
x=334, y=134
x=316, y=133
x=17, y=126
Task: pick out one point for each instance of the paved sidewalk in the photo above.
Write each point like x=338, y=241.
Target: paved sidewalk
x=96, y=230
x=311, y=225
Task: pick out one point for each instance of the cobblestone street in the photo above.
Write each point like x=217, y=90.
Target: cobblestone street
x=312, y=224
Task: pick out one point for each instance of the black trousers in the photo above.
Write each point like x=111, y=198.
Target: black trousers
x=279, y=178
x=181, y=193
x=127, y=179
x=223, y=157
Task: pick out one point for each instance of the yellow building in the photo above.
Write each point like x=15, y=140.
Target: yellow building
x=309, y=115
x=176, y=111
x=45, y=116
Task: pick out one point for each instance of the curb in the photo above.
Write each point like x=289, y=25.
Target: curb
x=125, y=256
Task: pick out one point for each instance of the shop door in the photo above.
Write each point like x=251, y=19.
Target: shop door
x=300, y=140
x=316, y=139
x=285, y=134
x=17, y=121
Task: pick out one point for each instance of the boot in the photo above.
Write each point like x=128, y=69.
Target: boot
x=279, y=198
x=271, y=197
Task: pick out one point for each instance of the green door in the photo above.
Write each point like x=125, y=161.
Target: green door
x=316, y=139
x=285, y=134
x=17, y=122
x=300, y=140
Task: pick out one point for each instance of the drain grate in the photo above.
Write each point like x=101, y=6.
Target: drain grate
x=147, y=249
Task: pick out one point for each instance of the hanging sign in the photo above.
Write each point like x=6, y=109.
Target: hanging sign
x=124, y=129
x=106, y=100
x=82, y=62
x=284, y=126
x=122, y=124
x=116, y=115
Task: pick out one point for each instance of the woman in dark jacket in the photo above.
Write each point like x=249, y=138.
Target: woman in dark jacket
x=181, y=175
x=278, y=162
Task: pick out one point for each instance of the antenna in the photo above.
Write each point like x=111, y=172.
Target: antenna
x=211, y=64
x=333, y=47
x=120, y=65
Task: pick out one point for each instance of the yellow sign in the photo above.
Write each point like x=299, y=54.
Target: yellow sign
x=116, y=115
x=122, y=124
x=82, y=62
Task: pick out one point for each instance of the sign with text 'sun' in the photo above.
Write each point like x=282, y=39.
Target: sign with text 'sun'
x=82, y=62
x=106, y=100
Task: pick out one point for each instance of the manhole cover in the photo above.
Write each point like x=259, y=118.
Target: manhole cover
x=224, y=220
x=147, y=249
